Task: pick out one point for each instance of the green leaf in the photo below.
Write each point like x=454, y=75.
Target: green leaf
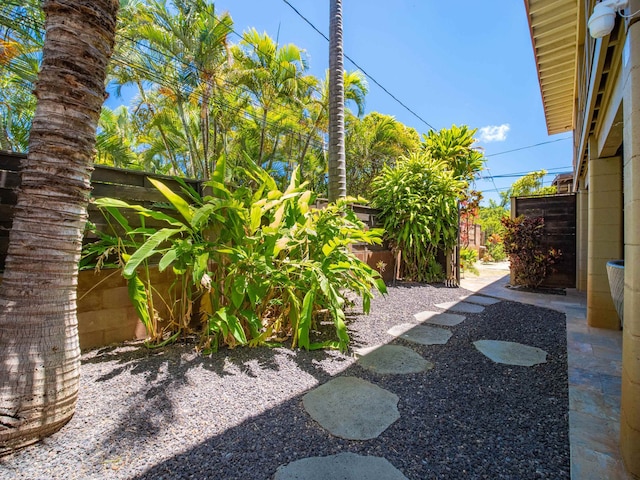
x=176, y=200
x=167, y=259
x=148, y=249
x=138, y=296
x=304, y=325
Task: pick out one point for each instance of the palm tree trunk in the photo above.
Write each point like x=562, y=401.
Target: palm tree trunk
x=39, y=350
x=337, y=170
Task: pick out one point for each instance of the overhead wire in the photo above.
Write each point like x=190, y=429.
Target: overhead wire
x=368, y=75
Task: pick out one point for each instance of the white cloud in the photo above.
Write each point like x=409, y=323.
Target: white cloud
x=493, y=133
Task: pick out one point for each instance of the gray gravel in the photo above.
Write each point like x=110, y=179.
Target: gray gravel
x=173, y=414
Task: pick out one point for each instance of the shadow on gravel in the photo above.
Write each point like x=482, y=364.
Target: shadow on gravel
x=468, y=417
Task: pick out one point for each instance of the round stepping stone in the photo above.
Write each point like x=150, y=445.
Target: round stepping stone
x=352, y=408
x=392, y=359
x=462, y=307
x=422, y=334
x=511, y=353
x=343, y=466
x=437, y=318
x=480, y=300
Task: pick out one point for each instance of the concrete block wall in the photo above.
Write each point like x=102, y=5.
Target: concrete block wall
x=105, y=313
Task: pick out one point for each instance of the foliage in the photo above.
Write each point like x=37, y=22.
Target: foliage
x=454, y=147
x=495, y=249
x=529, y=185
x=372, y=142
x=468, y=259
x=20, y=54
x=418, y=207
x=490, y=218
x=253, y=264
x=530, y=262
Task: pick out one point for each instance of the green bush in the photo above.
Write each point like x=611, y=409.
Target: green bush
x=254, y=264
x=530, y=262
x=417, y=199
x=468, y=259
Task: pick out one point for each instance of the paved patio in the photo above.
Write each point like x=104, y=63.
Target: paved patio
x=595, y=366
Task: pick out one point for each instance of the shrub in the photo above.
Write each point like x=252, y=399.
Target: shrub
x=495, y=249
x=468, y=259
x=254, y=264
x=418, y=207
x=530, y=262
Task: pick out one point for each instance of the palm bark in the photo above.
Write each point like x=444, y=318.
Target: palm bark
x=337, y=169
x=39, y=350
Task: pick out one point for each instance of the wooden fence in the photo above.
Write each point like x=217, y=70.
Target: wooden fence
x=559, y=213
x=134, y=187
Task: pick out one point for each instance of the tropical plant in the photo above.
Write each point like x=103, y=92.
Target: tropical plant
x=495, y=249
x=259, y=262
x=528, y=185
x=531, y=263
x=468, y=259
x=39, y=349
x=372, y=142
x=21, y=39
x=418, y=208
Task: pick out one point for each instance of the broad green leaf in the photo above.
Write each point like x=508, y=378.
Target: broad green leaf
x=304, y=325
x=148, y=249
x=176, y=200
x=167, y=259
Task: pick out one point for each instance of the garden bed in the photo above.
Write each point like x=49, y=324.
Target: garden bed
x=238, y=414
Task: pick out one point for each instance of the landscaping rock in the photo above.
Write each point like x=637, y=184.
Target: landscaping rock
x=460, y=306
x=344, y=466
x=438, y=318
x=511, y=353
x=422, y=334
x=351, y=408
x=392, y=359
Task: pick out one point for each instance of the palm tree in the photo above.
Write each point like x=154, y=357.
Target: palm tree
x=273, y=77
x=337, y=169
x=39, y=350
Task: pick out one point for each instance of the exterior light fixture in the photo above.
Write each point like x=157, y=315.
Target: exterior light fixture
x=603, y=19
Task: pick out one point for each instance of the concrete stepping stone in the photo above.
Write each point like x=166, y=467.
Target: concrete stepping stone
x=462, y=307
x=343, y=466
x=511, y=353
x=392, y=359
x=352, y=408
x=438, y=318
x=422, y=334
x=480, y=300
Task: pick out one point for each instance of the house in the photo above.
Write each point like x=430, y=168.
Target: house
x=563, y=182
x=591, y=87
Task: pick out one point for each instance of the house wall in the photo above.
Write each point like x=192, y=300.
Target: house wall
x=630, y=400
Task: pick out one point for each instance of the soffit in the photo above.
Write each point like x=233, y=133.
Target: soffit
x=553, y=25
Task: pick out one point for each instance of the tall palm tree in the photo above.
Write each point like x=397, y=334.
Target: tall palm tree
x=337, y=169
x=39, y=349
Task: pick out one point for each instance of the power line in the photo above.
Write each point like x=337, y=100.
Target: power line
x=528, y=146
x=362, y=69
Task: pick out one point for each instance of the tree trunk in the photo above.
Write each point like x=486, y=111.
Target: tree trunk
x=39, y=350
x=337, y=169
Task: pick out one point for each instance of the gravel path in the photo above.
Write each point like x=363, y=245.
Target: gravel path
x=173, y=414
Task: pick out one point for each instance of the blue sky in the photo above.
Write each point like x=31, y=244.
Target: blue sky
x=466, y=62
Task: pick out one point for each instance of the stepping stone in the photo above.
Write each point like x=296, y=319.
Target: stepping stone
x=480, y=300
x=352, y=408
x=462, y=307
x=437, y=318
x=343, y=466
x=511, y=353
x=422, y=334
x=392, y=359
